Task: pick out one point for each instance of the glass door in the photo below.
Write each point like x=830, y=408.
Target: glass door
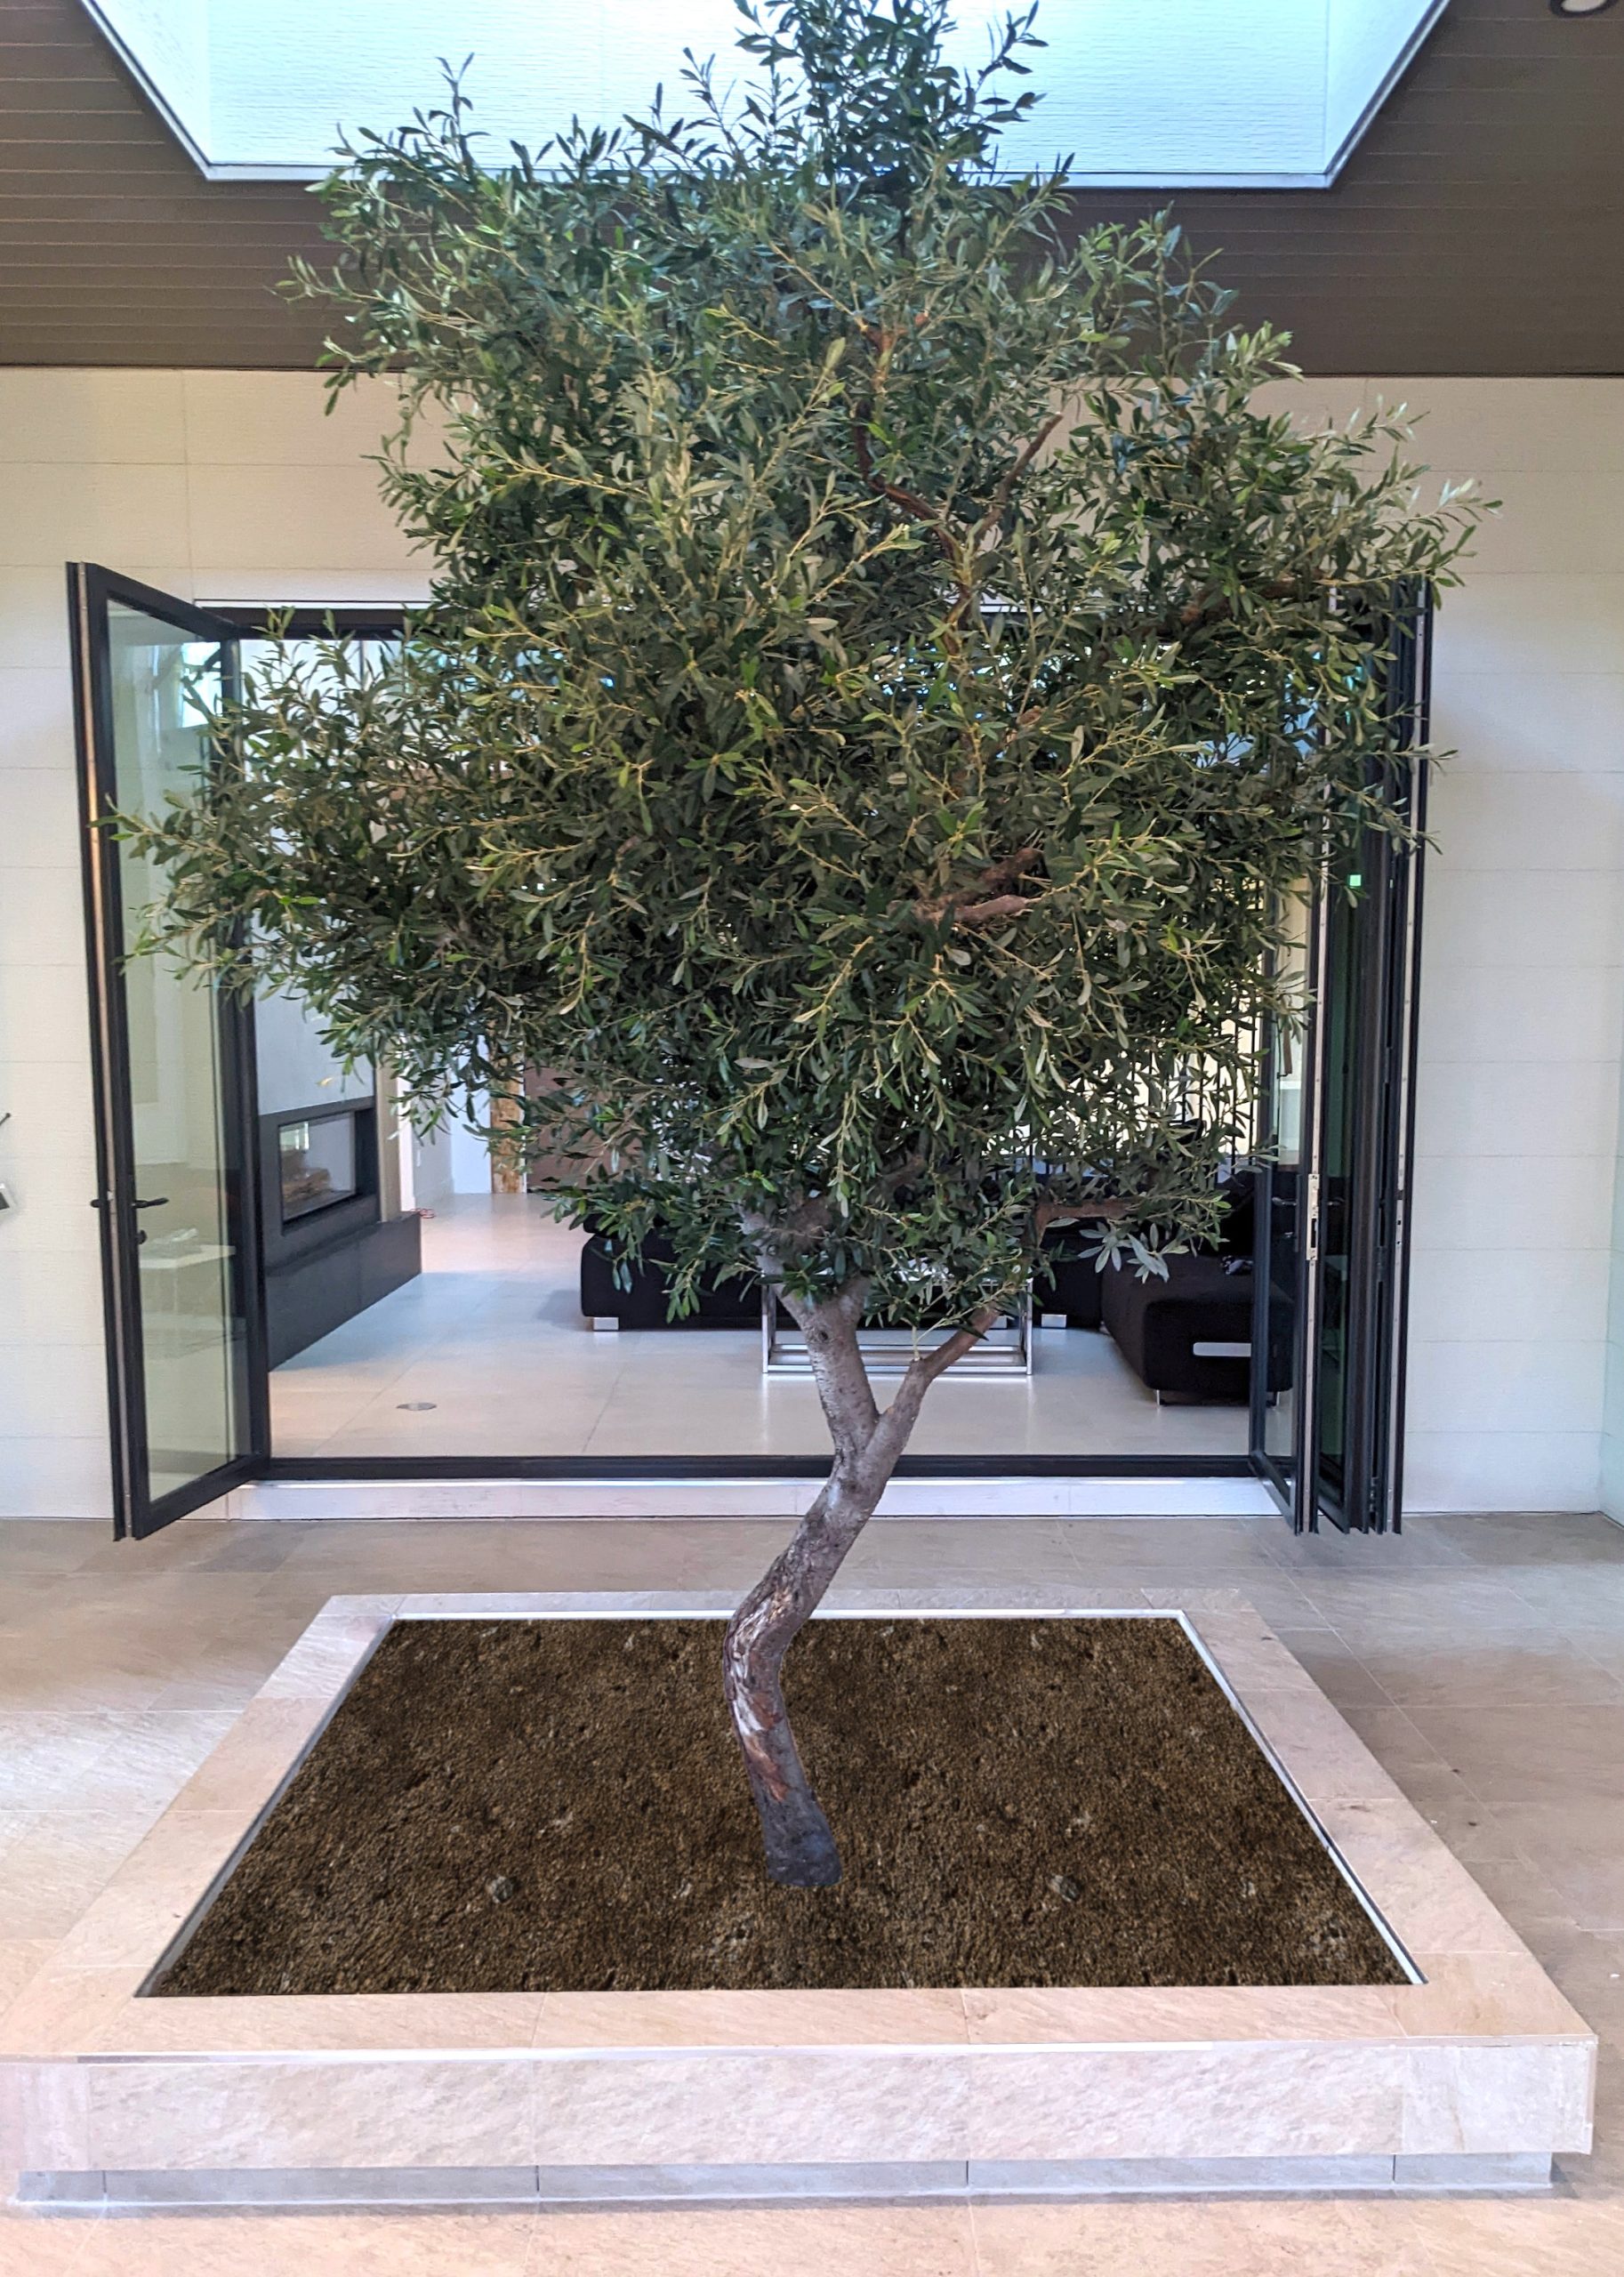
x=1371, y=921
x=1331, y=1264
x=1284, y=1219
x=174, y=1083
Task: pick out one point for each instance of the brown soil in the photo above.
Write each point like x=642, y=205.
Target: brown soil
x=558, y=1806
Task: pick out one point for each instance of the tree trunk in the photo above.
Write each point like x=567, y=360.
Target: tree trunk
x=800, y=1849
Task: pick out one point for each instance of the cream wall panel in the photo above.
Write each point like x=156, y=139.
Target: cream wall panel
x=1500, y=1470
x=1508, y=1295
x=1481, y=817
x=31, y=704
x=77, y=418
x=280, y=419
x=1548, y=521
x=51, y=512
x=47, y=1390
x=234, y=583
x=303, y=519
x=1482, y=1203
x=41, y=824
x=1520, y=1017
x=1551, y=723
x=1548, y=626
x=1515, y=1108
x=45, y=1018
x=1486, y=921
x=48, y=1296
x=62, y=1476
x=1477, y=1384
x=33, y=620
x=1491, y=426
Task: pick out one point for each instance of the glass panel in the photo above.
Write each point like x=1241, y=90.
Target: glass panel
x=1284, y=1135
x=193, y=1337
x=1341, y=1015
x=317, y=1160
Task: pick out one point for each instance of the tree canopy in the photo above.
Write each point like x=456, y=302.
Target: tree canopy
x=885, y=672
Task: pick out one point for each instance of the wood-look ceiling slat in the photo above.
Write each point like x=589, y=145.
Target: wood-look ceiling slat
x=1479, y=227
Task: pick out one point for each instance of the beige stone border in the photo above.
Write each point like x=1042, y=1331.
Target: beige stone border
x=1482, y=2059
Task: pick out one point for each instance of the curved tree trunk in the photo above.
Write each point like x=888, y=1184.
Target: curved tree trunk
x=800, y=1849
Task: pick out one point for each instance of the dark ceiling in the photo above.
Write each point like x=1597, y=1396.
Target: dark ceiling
x=1478, y=229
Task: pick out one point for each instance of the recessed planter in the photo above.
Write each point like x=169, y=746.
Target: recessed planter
x=1430, y=2050
x=559, y=1807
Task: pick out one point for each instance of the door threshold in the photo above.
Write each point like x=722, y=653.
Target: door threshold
x=742, y=1498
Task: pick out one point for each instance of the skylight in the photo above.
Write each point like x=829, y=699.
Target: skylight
x=1141, y=93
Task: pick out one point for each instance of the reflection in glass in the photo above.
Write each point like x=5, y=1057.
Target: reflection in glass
x=1284, y=1137
x=192, y=1335
x=317, y=1163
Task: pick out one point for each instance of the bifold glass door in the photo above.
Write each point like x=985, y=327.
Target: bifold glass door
x=174, y=1076
x=1328, y=1337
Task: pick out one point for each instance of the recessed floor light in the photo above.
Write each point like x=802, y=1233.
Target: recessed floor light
x=1581, y=7
x=416, y=1406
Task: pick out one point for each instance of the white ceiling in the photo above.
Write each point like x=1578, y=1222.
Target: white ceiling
x=1166, y=94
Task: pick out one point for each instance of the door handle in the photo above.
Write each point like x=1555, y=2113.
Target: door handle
x=101, y=1201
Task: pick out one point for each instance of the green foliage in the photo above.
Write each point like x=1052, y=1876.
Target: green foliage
x=885, y=675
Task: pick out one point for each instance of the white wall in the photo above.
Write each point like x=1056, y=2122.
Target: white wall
x=1523, y=950
x=217, y=485
x=294, y=1066
x=231, y=486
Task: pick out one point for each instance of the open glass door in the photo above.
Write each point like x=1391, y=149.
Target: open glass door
x=174, y=1081
x=1281, y=1382
x=1327, y=1377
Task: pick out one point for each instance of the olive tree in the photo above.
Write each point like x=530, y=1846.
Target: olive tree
x=883, y=676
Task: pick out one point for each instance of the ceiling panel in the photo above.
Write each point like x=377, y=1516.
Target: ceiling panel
x=1479, y=228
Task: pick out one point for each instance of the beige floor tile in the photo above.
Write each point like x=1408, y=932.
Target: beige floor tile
x=778, y=2241
x=51, y=1873
x=1578, y=1843
x=1528, y=1755
x=20, y=1958
x=1521, y=2239
x=1255, y=2237
x=1466, y=1674
x=307, y=2245
x=34, y=2245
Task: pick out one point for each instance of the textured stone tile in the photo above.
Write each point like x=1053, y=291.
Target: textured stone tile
x=50, y=1874
x=36, y=2245
x=1522, y=2240
x=1217, y=2013
x=342, y=2111
x=824, y=2019
x=1517, y=2096
x=1261, y=2100
x=256, y=2244
x=1426, y=1897
x=779, y=2241
x=1312, y=2238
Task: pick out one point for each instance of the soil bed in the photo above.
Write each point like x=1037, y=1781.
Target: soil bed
x=558, y=1805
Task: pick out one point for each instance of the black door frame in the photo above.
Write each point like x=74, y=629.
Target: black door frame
x=136, y=1511
x=91, y=589
x=1386, y=950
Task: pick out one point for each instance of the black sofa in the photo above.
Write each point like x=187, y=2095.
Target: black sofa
x=1156, y=1324
x=1205, y=1298
x=737, y=1304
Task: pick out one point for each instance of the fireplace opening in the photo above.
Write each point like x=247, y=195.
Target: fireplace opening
x=316, y=1164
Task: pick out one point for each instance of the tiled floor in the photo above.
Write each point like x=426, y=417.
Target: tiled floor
x=485, y=1353
x=1482, y=1660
